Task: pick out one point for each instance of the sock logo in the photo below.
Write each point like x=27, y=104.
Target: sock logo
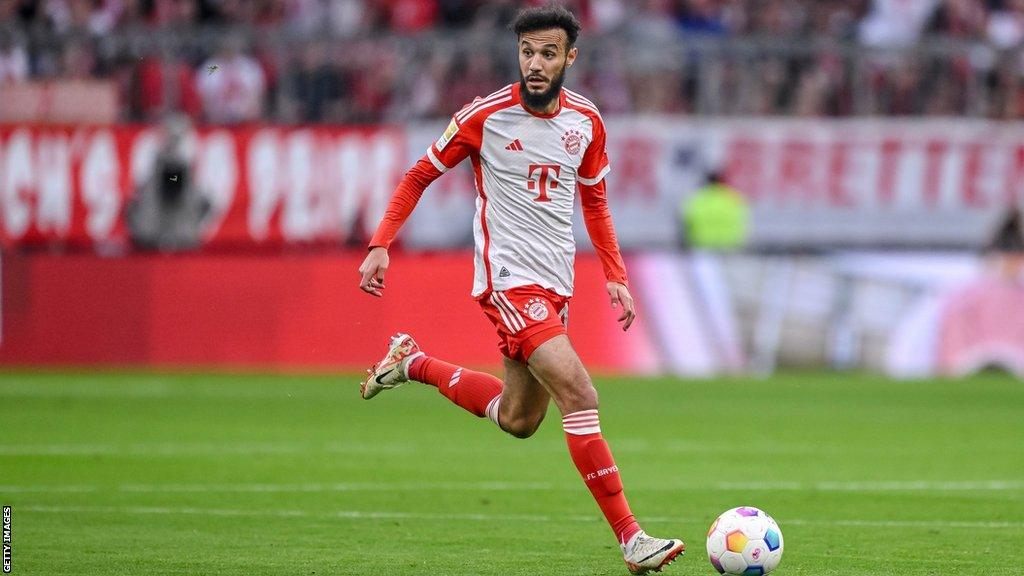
x=455, y=378
x=602, y=472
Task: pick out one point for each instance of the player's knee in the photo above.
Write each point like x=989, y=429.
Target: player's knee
x=523, y=426
x=522, y=432
x=582, y=396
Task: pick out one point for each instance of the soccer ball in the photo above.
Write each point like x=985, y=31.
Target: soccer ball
x=744, y=541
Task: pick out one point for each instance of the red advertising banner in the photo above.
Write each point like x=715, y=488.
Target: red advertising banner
x=266, y=185
x=810, y=183
x=288, y=312
x=910, y=315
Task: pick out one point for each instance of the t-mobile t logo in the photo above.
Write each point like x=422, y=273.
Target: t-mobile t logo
x=546, y=178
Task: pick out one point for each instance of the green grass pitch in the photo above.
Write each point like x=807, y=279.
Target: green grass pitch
x=296, y=475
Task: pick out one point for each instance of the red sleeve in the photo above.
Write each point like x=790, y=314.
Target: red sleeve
x=457, y=142
x=405, y=198
x=595, y=164
x=598, y=219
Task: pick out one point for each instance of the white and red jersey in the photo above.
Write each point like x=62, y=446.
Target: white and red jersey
x=527, y=167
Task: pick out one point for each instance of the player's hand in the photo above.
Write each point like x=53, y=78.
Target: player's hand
x=372, y=271
x=621, y=297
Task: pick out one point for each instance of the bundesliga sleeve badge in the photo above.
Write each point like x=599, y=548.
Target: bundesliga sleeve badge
x=449, y=133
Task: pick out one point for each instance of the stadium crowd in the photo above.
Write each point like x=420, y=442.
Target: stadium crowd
x=367, y=61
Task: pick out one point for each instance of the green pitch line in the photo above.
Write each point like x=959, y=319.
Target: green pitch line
x=231, y=474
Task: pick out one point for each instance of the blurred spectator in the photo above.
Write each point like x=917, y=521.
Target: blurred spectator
x=607, y=81
x=77, y=60
x=810, y=97
x=959, y=19
x=97, y=17
x=896, y=23
x=471, y=76
x=13, y=59
x=411, y=16
x=836, y=19
x=1008, y=89
x=459, y=13
x=654, y=20
x=780, y=18
x=607, y=14
x=250, y=12
x=425, y=95
x=104, y=15
x=57, y=14
x=231, y=84
x=401, y=60
x=702, y=17
x=715, y=217
x=168, y=211
x=374, y=78
x=305, y=16
x=347, y=17
x=170, y=12
x=316, y=86
x=1005, y=28
x=161, y=86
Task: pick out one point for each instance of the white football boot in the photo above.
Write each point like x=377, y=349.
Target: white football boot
x=393, y=369
x=645, y=553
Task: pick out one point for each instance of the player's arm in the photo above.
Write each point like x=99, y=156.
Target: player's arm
x=447, y=152
x=598, y=219
x=402, y=203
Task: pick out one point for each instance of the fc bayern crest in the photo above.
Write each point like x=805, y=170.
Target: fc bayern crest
x=536, y=309
x=573, y=141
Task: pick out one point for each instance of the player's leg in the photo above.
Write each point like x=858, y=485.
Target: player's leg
x=517, y=405
x=477, y=392
x=524, y=401
x=557, y=366
x=560, y=370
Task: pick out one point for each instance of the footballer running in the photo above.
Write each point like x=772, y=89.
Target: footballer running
x=532, y=145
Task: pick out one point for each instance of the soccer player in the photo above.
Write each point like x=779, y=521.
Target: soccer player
x=531, y=144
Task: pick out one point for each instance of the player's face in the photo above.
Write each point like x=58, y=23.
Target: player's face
x=543, y=58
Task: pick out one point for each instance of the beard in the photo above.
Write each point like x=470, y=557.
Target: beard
x=541, y=100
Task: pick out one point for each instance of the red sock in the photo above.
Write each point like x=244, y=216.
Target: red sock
x=476, y=392
x=594, y=460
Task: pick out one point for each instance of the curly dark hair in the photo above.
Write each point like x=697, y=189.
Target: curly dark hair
x=545, y=18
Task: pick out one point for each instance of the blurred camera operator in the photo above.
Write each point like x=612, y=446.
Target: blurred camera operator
x=168, y=211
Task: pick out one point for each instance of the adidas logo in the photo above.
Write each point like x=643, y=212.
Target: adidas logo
x=515, y=146
x=504, y=273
